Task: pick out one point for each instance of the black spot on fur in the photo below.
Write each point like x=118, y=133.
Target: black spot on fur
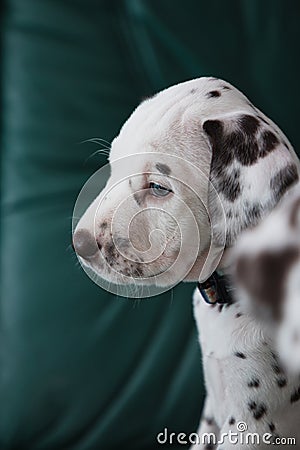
x=254, y=383
x=252, y=405
x=103, y=225
x=226, y=88
x=231, y=421
x=138, y=272
x=281, y=382
x=271, y=427
x=192, y=91
x=240, y=355
x=295, y=397
x=220, y=308
x=213, y=94
x=283, y=180
x=99, y=245
x=214, y=128
x=264, y=277
x=259, y=411
x=277, y=369
x=249, y=124
x=254, y=213
x=240, y=144
x=138, y=198
x=210, y=421
x=238, y=315
x=209, y=447
x=163, y=168
x=229, y=185
x=269, y=143
x=110, y=249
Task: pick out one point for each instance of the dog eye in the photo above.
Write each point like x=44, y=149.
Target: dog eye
x=158, y=190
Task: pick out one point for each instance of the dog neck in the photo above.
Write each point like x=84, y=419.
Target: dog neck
x=216, y=289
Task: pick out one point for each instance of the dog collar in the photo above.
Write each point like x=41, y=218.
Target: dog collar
x=216, y=289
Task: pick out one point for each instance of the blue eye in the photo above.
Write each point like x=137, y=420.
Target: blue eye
x=158, y=190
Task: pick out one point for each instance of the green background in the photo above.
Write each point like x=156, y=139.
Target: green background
x=80, y=368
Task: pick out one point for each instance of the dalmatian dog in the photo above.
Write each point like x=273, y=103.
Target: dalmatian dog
x=267, y=272
x=191, y=169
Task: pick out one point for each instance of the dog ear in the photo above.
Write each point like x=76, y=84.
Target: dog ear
x=252, y=166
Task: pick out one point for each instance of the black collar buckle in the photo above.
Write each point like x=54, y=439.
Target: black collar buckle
x=215, y=290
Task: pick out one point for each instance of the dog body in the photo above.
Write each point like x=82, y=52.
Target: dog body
x=191, y=169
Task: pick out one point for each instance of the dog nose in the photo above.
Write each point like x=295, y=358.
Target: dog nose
x=84, y=243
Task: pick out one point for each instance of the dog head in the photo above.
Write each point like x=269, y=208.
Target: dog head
x=192, y=167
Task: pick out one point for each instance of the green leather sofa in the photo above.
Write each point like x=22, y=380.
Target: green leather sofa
x=80, y=368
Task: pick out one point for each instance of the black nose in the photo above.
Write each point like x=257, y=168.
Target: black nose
x=84, y=243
